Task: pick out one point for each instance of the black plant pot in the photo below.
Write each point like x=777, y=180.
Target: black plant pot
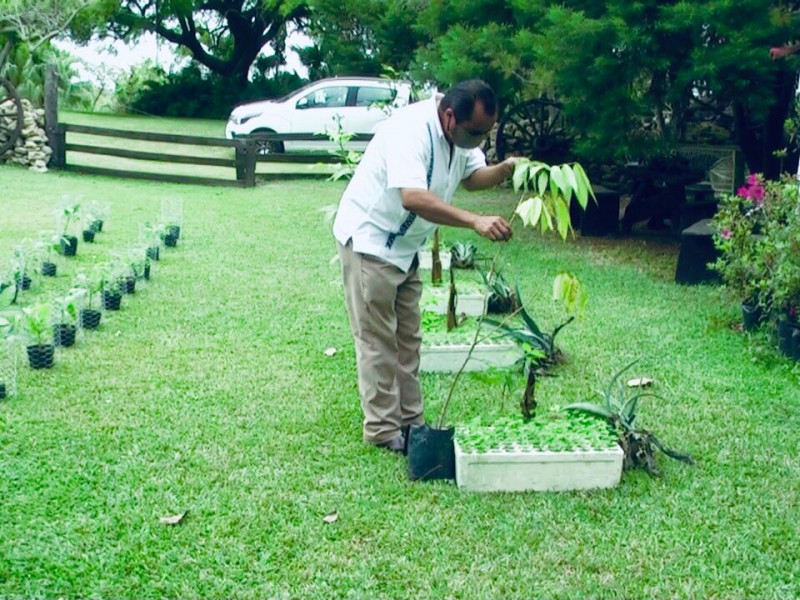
x=170, y=241
x=2, y=391
x=90, y=318
x=128, y=284
x=147, y=271
x=752, y=316
x=111, y=300
x=431, y=453
x=96, y=225
x=174, y=231
x=88, y=236
x=64, y=335
x=153, y=252
x=786, y=330
x=49, y=269
x=497, y=305
x=69, y=245
x=40, y=356
x=24, y=282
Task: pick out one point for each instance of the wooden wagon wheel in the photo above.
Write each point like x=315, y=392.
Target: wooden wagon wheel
x=536, y=129
x=10, y=106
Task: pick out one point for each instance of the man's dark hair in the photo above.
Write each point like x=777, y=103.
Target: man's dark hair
x=463, y=96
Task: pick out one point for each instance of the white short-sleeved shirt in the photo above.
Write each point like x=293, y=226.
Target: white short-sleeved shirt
x=408, y=151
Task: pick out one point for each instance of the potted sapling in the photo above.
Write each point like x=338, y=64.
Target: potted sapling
x=68, y=214
x=66, y=311
x=121, y=265
x=96, y=216
x=19, y=267
x=139, y=263
x=91, y=285
x=38, y=335
x=545, y=196
x=112, y=287
x=169, y=235
x=87, y=219
x=150, y=235
x=48, y=245
x=172, y=218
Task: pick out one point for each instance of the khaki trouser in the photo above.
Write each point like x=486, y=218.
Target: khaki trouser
x=383, y=306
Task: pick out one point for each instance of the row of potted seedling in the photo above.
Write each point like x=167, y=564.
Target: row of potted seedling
x=44, y=326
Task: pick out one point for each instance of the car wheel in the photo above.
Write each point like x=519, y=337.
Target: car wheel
x=264, y=147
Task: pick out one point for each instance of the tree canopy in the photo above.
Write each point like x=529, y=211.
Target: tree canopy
x=633, y=76
x=225, y=36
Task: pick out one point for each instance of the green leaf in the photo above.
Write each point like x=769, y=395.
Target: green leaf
x=569, y=174
x=547, y=221
x=524, y=209
x=580, y=174
x=520, y=176
x=541, y=183
x=562, y=218
x=592, y=409
x=557, y=175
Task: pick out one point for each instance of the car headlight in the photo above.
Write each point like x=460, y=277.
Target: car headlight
x=241, y=120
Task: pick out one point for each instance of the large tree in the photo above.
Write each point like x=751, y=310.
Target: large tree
x=361, y=37
x=225, y=36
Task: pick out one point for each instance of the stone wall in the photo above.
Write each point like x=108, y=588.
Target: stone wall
x=31, y=147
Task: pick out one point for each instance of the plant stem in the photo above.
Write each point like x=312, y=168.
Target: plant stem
x=446, y=404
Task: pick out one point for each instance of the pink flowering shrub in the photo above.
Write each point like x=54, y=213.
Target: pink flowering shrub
x=757, y=231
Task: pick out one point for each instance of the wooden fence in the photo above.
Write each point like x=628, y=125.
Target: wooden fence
x=244, y=160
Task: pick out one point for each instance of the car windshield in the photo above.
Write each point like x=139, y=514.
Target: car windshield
x=297, y=91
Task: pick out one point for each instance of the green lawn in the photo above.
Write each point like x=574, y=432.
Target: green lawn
x=211, y=392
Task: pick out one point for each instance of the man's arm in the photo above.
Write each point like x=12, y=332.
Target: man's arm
x=432, y=208
x=487, y=177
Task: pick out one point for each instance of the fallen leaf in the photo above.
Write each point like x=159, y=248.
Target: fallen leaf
x=173, y=519
x=640, y=382
x=331, y=517
x=330, y=351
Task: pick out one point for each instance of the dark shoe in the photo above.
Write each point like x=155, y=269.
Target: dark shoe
x=405, y=430
x=397, y=444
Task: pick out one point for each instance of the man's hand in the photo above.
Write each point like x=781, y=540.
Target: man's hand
x=493, y=228
x=510, y=164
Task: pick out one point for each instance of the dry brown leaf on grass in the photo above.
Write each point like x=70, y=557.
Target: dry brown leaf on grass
x=331, y=517
x=640, y=382
x=173, y=519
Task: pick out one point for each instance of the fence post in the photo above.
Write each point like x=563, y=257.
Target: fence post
x=59, y=158
x=250, y=163
x=240, y=161
x=51, y=117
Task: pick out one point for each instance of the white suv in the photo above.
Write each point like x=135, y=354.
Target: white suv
x=360, y=103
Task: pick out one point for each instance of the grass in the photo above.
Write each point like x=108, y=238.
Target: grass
x=211, y=392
